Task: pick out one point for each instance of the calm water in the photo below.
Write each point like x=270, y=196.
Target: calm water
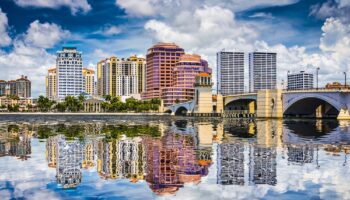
x=175, y=160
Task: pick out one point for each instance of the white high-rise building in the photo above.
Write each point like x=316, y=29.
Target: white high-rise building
x=300, y=81
x=230, y=72
x=69, y=79
x=262, y=71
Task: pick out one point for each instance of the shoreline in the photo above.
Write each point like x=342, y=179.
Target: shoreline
x=82, y=114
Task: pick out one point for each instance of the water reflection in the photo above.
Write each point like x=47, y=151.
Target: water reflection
x=173, y=157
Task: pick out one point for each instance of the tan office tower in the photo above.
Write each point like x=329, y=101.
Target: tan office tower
x=89, y=78
x=121, y=77
x=23, y=87
x=51, y=83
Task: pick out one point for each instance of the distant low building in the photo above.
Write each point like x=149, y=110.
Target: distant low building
x=23, y=103
x=337, y=86
x=300, y=81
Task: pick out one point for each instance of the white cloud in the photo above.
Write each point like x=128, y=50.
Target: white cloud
x=74, y=5
x=207, y=30
x=262, y=15
x=29, y=57
x=5, y=39
x=338, y=8
x=44, y=35
x=112, y=30
x=170, y=7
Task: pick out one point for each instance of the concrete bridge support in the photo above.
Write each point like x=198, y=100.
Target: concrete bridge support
x=269, y=104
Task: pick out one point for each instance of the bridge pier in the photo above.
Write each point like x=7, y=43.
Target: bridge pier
x=344, y=114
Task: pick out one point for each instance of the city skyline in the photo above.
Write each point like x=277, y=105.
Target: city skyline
x=126, y=29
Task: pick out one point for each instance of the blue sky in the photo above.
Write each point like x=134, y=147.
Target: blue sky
x=306, y=34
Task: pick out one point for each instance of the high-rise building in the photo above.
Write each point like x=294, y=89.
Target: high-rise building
x=230, y=72
x=23, y=87
x=3, y=85
x=89, y=79
x=262, y=71
x=69, y=79
x=300, y=81
x=161, y=60
x=184, y=75
x=51, y=83
x=20, y=87
x=121, y=77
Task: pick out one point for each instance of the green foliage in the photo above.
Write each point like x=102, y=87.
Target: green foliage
x=45, y=104
x=115, y=132
x=14, y=108
x=131, y=105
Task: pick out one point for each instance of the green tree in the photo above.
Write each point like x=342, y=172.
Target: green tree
x=45, y=104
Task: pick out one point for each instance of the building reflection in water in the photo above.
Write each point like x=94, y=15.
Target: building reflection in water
x=121, y=159
x=69, y=162
x=16, y=142
x=172, y=162
x=231, y=164
x=300, y=153
x=262, y=166
x=246, y=151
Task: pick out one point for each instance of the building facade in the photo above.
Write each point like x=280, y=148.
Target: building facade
x=230, y=72
x=184, y=74
x=89, y=79
x=69, y=79
x=51, y=83
x=161, y=60
x=262, y=71
x=300, y=81
x=121, y=77
x=21, y=87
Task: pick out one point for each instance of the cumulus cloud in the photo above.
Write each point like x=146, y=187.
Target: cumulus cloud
x=208, y=29
x=44, y=35
x=5, y=39
x=169, y=7
x=338, y=8
x=74, y=5
x=29, y=56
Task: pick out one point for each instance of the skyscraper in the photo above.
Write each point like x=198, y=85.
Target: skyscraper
x=230, y=72
x=69, y=79
x=262, y=71
x=23, y=87
x=300, y=81
x=121, y=77
x=3, y=85
x=89, y=79
x=51, y=83
x=184, y=74
x=161, y=60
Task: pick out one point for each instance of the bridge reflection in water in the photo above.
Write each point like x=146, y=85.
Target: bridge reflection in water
x=170, y=156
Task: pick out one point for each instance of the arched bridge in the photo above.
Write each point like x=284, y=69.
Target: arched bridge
x=279, y=103
x=180, y=109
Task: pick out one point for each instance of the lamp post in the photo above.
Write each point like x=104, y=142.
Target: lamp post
x=317, y=69
x=288, y=72
x=344, y=79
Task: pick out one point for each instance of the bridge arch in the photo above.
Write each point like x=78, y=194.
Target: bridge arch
x=312, y=105
x=241, y=104
x=181, y=111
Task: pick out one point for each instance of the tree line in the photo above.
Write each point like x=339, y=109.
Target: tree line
x=111, y=104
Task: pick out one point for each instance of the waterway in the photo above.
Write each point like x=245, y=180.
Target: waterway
x=174, y=159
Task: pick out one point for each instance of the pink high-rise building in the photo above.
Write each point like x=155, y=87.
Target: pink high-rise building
x=184, y=73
